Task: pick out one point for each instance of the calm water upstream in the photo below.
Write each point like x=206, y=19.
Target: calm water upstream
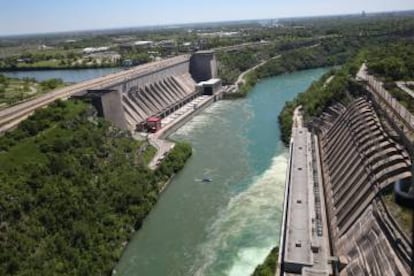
x=227, y=226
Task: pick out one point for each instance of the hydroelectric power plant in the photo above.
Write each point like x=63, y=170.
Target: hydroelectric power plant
x=334, y=220
x=130, y=97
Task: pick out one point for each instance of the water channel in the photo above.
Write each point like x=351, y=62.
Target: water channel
x=227, y=226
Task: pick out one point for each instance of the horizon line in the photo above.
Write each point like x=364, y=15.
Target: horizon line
x=182, y=24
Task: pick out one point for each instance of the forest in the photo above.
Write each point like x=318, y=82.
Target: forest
x=319, y=96
x=321, y=42
x=73, y=191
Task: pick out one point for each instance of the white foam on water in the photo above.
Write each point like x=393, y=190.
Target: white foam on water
x=204, y=119
x=247, y=229
x=247, y=259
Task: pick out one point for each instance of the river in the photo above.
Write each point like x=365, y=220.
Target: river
x=67, y=75
x=227, y=226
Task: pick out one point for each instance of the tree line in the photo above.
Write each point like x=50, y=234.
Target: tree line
x=73, y=189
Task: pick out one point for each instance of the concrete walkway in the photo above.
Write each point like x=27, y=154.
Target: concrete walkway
x=403, y=85
x=170, y=124
x=305, y=246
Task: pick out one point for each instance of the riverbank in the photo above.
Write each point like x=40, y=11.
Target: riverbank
x=268, y=267
x=227, y=226
x=103, y=194
x=324, y=54
x=173, y=122
x=244, y=83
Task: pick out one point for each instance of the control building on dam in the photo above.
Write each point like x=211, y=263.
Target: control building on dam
x=336, y=218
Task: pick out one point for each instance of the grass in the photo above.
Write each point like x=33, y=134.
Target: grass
x=14, y=90
x=403, y=97
x=268, y=267
x=149, y=153
x=403, y=216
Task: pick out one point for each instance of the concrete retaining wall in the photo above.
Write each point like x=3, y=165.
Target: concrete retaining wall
x=360, y=160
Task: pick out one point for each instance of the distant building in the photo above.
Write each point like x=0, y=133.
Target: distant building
x=144, y=43
x=90, y=50
x=219, y=34
x=167, y=44
x=111, y=56
x=45, y=47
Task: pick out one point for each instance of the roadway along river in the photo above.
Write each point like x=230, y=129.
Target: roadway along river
x=227, y=226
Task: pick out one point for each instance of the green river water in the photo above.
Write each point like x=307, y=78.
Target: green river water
x=229, y=225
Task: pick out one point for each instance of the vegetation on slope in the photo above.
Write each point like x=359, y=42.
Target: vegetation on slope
x=342, y=88
x=268, y=267
x=73, y=189
x=319, y=96
x=326, y=53
x=402, y=215
x=392, y=62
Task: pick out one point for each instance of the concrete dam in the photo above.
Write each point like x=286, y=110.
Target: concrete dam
x=350, y=157
x=130, y=97
x=157, y=91
x=360, y=160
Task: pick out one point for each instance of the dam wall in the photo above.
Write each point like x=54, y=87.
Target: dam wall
x=156, y=91
x=360, y=161
x=153, y=89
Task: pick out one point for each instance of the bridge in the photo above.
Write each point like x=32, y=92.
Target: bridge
x=129, y=97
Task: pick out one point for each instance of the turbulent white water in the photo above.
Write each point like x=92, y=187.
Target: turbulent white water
x=203, y=120
x=229, y=225
x=244, y=229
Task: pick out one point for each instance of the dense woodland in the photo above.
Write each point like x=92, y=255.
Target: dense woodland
x=320, y=95
x=318, y=42
x=73, y=190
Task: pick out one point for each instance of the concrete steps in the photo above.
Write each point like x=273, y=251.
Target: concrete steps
x=157, y=98
x=360, y=159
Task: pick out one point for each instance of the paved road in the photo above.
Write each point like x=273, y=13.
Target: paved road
x=240, y=80
x=9, y=117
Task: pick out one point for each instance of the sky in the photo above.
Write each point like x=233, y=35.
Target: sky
x=42, y=16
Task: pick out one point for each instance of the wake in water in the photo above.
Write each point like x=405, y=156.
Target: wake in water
x=244, y=232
